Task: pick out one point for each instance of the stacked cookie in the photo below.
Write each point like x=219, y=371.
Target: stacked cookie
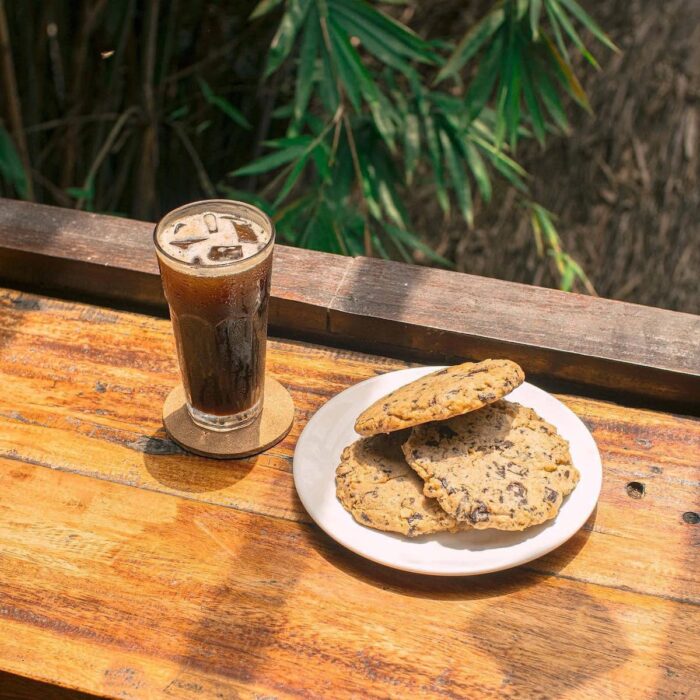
x=446, y=453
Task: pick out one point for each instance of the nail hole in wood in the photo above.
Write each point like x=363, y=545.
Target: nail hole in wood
x=691, y=518
x=635, y=489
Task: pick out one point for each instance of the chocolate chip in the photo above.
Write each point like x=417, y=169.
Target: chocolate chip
x=414, y=517
x=365, y=517
x=445, y=431
x=691, y=518
x=479, y=514
x=517, y=489
x=550, y=494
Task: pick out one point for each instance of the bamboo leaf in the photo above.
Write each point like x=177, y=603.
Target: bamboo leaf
x=573, y=34
x=380, y=39
x=478, y=170
x=222, y=104
x=460, y=183
x=550, y=98
x=567, y=77
x=431, y=139
x=535, y=12
x=481, y=87
x=413, y=241
x=307, y=58
x=411, y=144
x=588, y=22
x=11, y=168
x=411, y=43
x=263, y=7
x=283, y=41
x=472, y=41
x=291, y=179
x=533, y=105
x=556, y=31
x=272, y=160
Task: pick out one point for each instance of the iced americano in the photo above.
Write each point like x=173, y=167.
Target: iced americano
x=215, y=261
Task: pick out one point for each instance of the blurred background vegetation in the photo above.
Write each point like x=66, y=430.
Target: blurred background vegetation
x=430, y=132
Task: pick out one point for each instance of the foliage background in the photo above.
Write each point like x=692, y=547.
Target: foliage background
x=160, y=121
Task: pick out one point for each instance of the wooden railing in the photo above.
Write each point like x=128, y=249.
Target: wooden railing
x=604, y=347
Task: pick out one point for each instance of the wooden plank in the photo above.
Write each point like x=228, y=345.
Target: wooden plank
x=592, y=345
x=581, y=339
x=112, y=258
x=84, y=386
x=131, y=593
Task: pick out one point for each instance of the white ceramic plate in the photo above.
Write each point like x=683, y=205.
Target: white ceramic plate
x=446, y=554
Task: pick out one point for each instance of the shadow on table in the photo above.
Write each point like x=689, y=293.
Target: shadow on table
x=178, y=470
x=449, y=587
x=546, y=639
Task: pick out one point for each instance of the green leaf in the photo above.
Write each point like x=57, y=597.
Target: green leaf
x=328, y=89
x=567, y=77
x=588, y=22
x=472, y=41
x=404, y=38
x=533, y=105
x=573, y=34
x=432, y=140
x=223, y=104
x=178, y=113
x=11, y=168
x=263, y=7
x=345, y=61
x=487, y=73
x=411, y=144
x=535, y=12
x=550, y=98
x=373, y=42
x=283, y=41
x=291, y=179
x=557, y=31
x=460, y=183
x=272, y=160
x=380, y=38
x=478, y=170
x=307, y=58
x=412, y=240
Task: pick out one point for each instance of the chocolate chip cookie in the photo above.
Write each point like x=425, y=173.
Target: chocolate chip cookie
x=501, y=466
x=443, y=394
x=374, y=484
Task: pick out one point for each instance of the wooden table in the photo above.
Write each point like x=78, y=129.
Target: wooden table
x=130, y=569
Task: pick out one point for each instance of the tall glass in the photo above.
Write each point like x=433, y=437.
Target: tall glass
x=215, y=260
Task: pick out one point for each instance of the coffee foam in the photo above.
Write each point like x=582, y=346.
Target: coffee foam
x=211, y=239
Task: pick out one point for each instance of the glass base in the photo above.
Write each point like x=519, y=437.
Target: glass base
x=225, y=423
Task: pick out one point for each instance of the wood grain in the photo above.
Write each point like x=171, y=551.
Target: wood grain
x=146, y=595
x=593, y=345
x=130, y=569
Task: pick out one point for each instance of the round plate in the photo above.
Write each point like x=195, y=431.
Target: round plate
x=446, y=554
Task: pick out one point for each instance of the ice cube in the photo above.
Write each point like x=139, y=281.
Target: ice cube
x=210, y=221
x=225, y=252
x=186, y=242
x=246, y=233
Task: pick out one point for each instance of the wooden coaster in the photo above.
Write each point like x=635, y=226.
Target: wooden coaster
x=273, y=424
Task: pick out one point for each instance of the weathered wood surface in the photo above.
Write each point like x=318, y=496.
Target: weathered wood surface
x=381, y=306
x=132, y=570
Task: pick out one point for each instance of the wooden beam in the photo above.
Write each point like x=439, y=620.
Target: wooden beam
x=405, y=311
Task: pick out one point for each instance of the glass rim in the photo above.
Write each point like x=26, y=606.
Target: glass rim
x=182, y=209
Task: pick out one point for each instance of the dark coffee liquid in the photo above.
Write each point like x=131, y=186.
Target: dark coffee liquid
x=220, y=325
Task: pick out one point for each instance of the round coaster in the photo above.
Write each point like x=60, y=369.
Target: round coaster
x=273, y=424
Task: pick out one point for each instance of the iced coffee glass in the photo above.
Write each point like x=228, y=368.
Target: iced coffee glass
x=215, y=260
